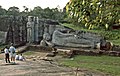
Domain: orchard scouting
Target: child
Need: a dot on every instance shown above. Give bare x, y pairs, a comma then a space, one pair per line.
6, 54
17, 57
21, 58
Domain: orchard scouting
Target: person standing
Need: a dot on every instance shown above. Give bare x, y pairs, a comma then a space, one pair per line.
12, 53
6, 54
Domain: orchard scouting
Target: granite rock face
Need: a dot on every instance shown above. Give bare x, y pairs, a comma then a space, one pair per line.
75, 39
51, 33
2, 37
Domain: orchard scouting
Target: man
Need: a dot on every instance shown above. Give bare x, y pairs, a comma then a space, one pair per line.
6, 54
12, 52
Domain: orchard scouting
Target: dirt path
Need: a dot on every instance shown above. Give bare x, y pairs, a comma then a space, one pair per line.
33, 66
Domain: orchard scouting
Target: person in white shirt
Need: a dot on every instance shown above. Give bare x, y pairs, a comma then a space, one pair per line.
12, 53
17, 57
21, 58
6, 54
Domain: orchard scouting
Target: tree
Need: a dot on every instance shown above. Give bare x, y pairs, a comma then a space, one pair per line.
37, 11
94, 13
47, 13
25, 9
25, 12
58, 14
13, 11
2, 11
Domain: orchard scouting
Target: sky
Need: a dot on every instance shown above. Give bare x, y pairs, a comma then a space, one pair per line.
33, 3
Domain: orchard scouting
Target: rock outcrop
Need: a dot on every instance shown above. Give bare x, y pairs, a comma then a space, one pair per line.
75, 39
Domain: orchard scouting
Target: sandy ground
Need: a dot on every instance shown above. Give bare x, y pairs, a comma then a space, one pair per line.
34, 66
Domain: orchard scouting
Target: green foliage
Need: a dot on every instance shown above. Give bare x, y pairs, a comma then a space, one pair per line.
47, 13
109, 35
2, 11
94, 13
37, 11
116, 42
113, 36
71, 26
13, 11
106, 64
29, 53
7, 16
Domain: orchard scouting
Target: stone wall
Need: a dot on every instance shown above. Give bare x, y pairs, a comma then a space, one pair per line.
50, 31
2, 37
39, 28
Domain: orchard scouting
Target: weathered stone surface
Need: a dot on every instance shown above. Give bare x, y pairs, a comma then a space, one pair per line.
51, 29
42, 43
49, 44
30, 29
46, 36
2, 37
79, 39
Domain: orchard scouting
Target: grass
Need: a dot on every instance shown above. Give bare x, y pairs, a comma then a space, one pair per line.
105, 64
29, 53
113, 36
71, 26
117, 42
